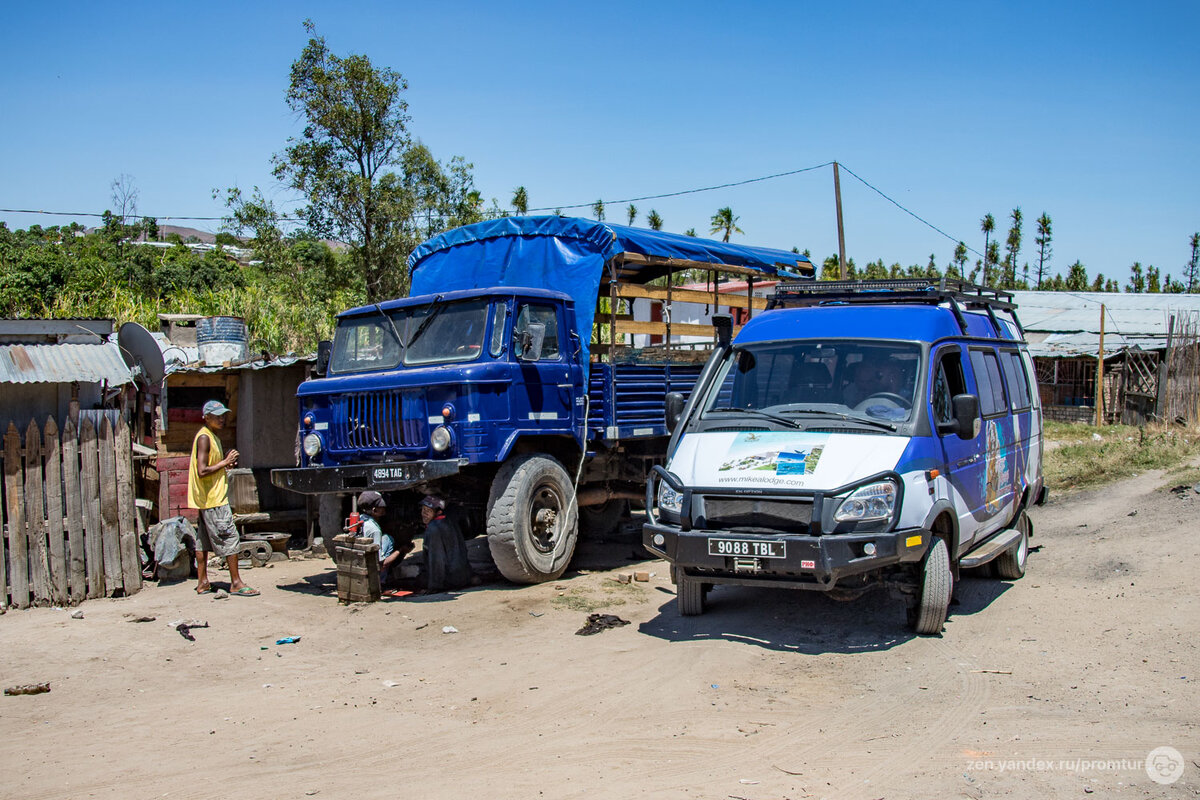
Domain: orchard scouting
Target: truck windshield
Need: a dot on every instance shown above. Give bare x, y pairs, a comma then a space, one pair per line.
872, 381
447, 333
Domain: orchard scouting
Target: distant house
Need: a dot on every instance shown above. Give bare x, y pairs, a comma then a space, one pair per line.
1151, 354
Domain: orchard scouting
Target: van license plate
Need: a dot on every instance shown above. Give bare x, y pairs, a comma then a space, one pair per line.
755, 548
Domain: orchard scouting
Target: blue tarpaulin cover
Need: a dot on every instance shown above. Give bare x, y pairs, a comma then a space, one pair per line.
568, 254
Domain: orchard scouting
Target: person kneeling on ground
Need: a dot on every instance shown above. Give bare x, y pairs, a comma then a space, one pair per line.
446, 564
373, 508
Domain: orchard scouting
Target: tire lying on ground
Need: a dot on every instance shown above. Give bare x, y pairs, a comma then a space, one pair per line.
532, 519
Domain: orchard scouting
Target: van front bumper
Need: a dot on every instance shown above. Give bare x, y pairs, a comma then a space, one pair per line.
808, 562
386, 476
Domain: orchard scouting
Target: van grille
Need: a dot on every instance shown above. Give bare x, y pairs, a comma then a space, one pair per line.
378, 421
756, 516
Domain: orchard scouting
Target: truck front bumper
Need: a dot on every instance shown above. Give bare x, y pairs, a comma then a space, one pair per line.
809, 562
386, 476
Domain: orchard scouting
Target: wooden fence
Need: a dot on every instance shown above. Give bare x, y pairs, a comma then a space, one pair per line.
70, 524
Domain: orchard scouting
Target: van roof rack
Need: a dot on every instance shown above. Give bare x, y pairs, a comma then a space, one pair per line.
957, 293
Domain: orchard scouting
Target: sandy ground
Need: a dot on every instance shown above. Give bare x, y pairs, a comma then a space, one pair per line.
1032, 690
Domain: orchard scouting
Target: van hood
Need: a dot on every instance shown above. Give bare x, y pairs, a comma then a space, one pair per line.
783, 460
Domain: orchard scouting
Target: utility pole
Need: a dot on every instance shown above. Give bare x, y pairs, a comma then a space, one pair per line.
1100, 374
837, 196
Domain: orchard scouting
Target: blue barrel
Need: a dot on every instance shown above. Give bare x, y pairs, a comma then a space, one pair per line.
221, 339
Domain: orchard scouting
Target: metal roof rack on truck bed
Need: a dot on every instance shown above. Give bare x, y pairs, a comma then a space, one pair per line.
957, 293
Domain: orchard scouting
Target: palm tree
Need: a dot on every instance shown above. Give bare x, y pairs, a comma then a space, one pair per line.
725, 222
654, 220
690, 232
987, 225
520, 201
631, 212
598, 210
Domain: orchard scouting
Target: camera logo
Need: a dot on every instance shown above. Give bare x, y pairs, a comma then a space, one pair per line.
1164, 765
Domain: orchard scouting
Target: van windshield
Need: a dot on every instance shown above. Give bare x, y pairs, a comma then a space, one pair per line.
871, 381
438, 333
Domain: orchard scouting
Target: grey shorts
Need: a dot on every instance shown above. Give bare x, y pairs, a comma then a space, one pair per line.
216, 533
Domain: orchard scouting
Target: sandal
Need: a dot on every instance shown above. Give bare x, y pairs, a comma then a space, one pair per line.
206, 590
246, 591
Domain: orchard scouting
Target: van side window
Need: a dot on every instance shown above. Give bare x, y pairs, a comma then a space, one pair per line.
1018, 381
545, 315
946, 383
990, 382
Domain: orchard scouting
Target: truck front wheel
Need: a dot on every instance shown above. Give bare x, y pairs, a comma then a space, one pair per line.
532, 519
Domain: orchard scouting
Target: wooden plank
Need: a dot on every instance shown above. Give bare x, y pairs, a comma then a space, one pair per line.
209, 380
660, 328
131, 565
728, 269
109, 526
628, 291
76, 576
89, 489
18, 543
35, 516
55, 532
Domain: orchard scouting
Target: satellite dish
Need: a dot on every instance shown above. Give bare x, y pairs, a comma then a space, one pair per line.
141, 353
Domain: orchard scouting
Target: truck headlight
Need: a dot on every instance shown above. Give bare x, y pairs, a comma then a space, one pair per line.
872, 502
669, 500
311, 444
441, 439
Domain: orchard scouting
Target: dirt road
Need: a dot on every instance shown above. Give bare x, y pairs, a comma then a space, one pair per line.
1056, 685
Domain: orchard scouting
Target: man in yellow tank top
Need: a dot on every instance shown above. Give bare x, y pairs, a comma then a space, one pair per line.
208, 491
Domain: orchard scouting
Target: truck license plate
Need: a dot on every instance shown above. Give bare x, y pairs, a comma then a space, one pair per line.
755, 548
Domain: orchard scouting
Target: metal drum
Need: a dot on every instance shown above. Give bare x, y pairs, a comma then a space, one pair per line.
221, 339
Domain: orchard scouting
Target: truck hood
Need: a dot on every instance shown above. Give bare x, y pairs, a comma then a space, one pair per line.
783, 460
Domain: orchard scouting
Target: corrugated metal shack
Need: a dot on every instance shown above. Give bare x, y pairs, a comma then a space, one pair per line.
261, 392
1151, 344
47, 363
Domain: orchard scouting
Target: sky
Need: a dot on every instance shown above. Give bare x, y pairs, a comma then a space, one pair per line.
1088, 112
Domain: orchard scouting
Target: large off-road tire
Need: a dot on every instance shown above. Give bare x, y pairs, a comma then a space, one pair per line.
689, 594
602, 521
532, 519
1010, 565
928, 614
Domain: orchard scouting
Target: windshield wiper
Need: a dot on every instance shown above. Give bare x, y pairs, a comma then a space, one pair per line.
840, 415
764, 414
425, 322
391, 323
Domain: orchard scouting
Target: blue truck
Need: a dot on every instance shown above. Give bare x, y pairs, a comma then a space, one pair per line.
509, 380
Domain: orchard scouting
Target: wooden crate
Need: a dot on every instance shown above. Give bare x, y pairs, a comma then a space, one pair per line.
358, 570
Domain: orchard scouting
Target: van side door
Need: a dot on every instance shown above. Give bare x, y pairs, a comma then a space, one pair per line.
962, 460
1026, 455
997, 448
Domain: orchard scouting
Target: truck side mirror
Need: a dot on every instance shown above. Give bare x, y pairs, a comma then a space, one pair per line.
674, 409
324, 350
530, 341
966, 415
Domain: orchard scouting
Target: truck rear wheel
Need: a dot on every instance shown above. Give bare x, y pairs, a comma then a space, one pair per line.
532, 519
1010, 565
928, 614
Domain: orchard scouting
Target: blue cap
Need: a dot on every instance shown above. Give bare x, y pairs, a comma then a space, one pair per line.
214, 408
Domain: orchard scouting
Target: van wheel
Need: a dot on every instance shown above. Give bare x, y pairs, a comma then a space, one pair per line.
532, 519
1010, 565
689, 592
928, 614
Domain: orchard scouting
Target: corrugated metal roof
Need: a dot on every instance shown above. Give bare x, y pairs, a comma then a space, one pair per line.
63, 363
1126, 314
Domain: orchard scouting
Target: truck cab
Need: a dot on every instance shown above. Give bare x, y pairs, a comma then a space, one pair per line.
860, 434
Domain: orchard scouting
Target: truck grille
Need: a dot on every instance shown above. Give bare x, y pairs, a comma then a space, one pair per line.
378, 421
756, 516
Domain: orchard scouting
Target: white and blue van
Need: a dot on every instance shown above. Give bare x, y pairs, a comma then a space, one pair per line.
854, 435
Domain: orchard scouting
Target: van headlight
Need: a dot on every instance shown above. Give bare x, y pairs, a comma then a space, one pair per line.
312, 445
440, 439
870, 503
669, 500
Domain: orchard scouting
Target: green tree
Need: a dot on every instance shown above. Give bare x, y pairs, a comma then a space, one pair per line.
724, 222
1137, 279
991, 265
958, 262
520, 201
1077, 279
1191, 272
690, 232
1012, 247
1153, 285
598, 210
987, 225
654, 220
1043, 239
